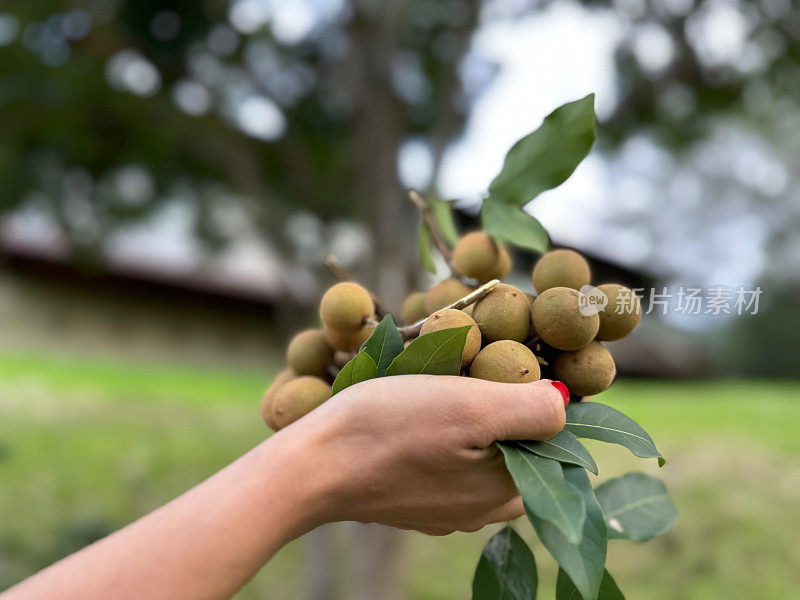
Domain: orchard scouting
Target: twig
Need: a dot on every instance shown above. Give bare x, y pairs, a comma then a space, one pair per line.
425, 209
335, 267
411, 331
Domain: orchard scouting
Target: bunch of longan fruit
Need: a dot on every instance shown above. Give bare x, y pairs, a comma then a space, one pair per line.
515, 337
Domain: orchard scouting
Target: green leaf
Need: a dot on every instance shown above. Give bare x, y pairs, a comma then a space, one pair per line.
384, 344
509, 223
565, 448
442, 211
583, 562
566, 590
546, 496
545, 158
636, 507
435, 353
359, 368
506, 570
601, 422
425, 255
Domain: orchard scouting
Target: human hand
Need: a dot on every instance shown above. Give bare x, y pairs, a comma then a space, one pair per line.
417, 451
411, 451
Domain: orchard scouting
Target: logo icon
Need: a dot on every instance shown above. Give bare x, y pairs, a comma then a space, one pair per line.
591, 300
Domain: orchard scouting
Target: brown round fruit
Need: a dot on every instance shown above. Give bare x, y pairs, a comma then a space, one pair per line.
345, 307
558, 320
505, 361
560, 268
341, 358
476, 255
587, 371
309, 353
503, 265
414, 308
347, 341
503, 314
622, 313
266, 402
445, 293
297, 398
450, 317
531, 299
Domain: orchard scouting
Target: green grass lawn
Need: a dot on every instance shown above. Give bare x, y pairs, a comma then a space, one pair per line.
86, 446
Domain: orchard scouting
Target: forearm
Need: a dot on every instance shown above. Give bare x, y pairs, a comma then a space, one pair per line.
205, 544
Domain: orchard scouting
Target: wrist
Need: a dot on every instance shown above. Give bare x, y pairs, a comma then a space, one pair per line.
300, 485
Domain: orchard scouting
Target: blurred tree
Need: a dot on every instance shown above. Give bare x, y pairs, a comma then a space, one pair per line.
292, 105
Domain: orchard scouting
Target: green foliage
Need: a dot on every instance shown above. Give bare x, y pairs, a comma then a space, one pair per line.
506, 570
601, 422
509, 223
544, 491
566, 590
545, 158
583, 562
359, 368
551, 475
540, 161
443, 215
636, 507
425, 256
384, 344
563, 447
435, 353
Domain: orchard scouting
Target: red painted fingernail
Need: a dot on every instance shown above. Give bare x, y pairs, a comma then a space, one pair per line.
563, 389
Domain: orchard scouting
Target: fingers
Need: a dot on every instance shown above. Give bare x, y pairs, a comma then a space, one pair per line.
517, 411
513, 509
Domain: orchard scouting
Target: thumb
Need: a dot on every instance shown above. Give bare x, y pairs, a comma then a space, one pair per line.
518, 411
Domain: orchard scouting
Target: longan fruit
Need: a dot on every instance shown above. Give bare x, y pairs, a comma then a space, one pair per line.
266, 402
560, 268
531, 299
445, 293
476, 255
559, 322
340, 358
414, 308
503, 265
309, 353
503, 314
297, 398
345, 306
587, 371
451, 317
347, 341
506, 361
616, 325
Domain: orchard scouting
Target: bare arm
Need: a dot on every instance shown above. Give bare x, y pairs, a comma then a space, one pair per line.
414, 452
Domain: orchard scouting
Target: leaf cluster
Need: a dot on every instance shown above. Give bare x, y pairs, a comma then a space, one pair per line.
573, 520
435, 353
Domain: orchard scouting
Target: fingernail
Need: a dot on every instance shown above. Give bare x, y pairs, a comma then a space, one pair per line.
563, 389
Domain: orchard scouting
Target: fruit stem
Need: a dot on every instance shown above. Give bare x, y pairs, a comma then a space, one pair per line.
425, 209
335, 267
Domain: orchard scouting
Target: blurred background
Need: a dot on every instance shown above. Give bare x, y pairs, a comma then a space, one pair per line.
173, 173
